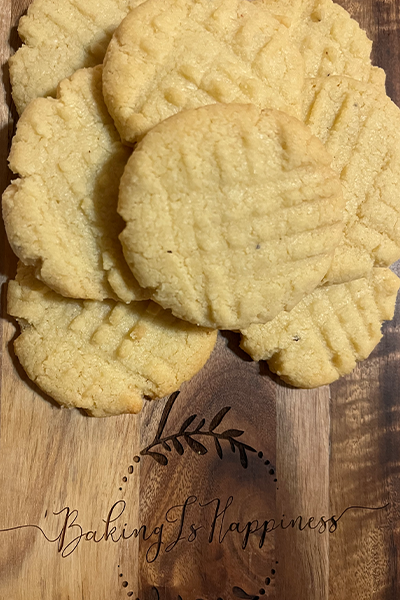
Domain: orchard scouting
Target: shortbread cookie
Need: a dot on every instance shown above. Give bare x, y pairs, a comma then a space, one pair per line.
331, 42
170, 55
232, 214
61, 36
291, 12
104, 357
328, 332
61, 214
360, 127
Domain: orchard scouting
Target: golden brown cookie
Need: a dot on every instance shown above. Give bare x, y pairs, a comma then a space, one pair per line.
330, 41
232, 214
61, 36
171, 55
328, 332
360, 127
60, 214
104, 357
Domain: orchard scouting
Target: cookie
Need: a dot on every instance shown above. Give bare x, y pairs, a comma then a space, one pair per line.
328, 332
60, 215
171, 55
232, 214
103, 357
360, 127
291, 12
330, 41
61, 36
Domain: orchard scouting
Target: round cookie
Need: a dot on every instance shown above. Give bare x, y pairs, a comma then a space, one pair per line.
60, 215
360, 127
61, 36
328, 332
232, 214
171, 55
104, 357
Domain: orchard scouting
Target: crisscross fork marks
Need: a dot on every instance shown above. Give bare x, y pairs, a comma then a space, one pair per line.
236, 93
74, 33
370, 317
368, 225
318, 251
320, 330
316, 116
359, 146
114, 328
341, 136
352, 316
85, 15
180, 271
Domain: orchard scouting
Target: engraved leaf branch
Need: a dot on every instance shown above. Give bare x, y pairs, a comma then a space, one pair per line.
189, 435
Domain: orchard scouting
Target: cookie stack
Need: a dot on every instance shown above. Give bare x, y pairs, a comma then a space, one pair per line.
205, 165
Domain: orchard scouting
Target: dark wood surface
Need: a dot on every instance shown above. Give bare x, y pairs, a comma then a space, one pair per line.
318, 453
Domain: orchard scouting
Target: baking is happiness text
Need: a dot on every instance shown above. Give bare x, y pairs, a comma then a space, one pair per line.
181, 526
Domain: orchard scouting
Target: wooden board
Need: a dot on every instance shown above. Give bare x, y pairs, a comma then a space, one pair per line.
86, 513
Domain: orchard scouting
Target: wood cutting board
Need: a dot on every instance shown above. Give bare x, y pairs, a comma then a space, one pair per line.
306, 508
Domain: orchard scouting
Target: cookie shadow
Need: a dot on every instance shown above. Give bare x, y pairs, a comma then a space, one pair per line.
232, 340
233, 343
8, 260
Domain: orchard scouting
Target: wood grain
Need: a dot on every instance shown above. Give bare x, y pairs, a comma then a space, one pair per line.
303, 426
318, 453
365, 413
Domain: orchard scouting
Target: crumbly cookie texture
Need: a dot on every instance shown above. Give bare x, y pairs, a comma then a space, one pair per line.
232, 214
61, 36
170, 55
288, 11
360, 127
331, 42
61, 214
103, 357
328, 332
